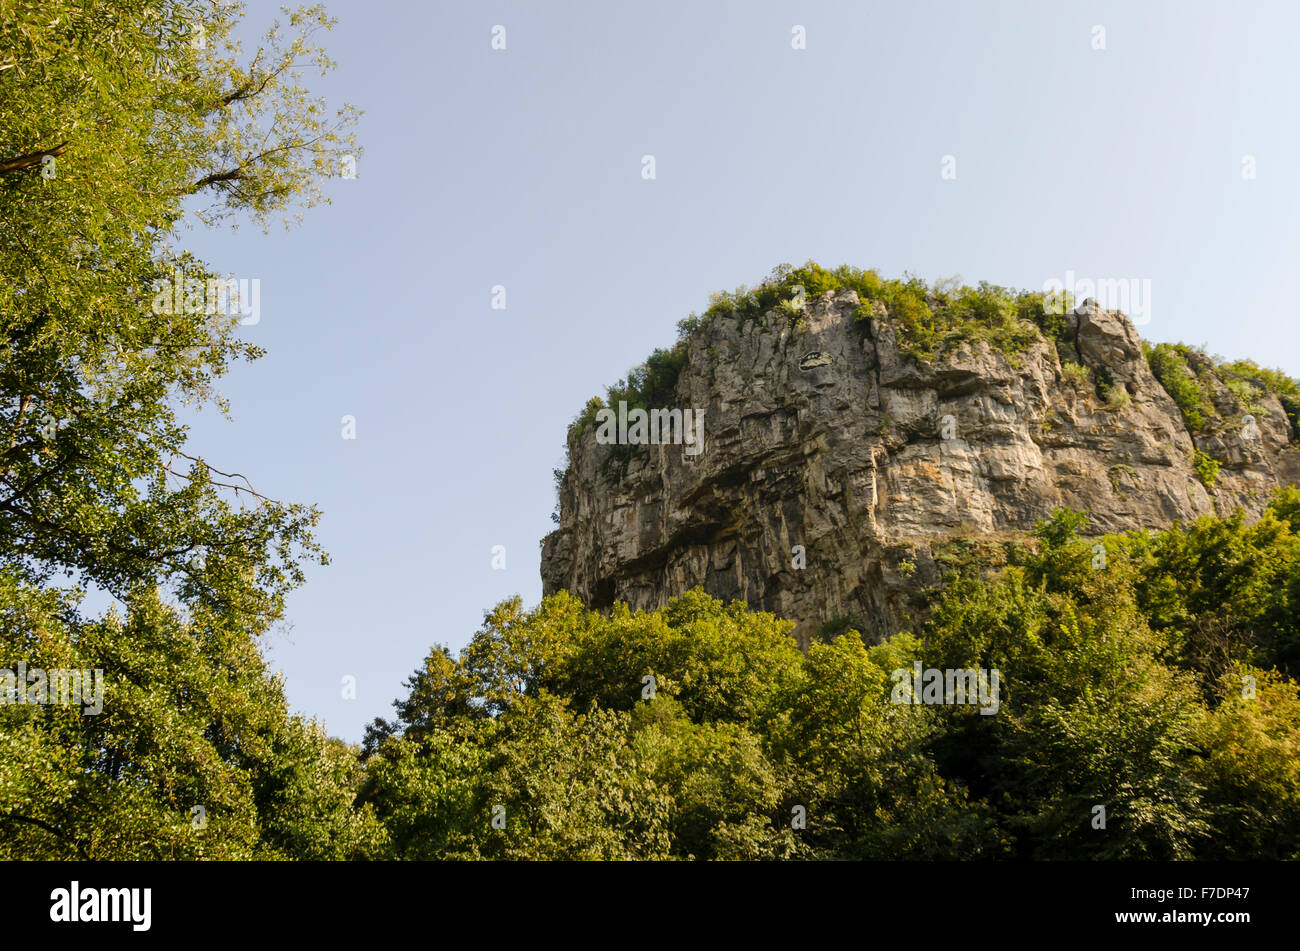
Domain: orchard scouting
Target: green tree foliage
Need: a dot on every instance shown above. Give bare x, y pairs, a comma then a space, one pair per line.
144, 107
1251, 768
191, 719
1222, 591
1241, 373
120, 122
1147, 710
862, 764
1188, 375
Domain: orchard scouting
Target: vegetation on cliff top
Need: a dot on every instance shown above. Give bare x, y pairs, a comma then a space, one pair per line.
1188, 375
930, 320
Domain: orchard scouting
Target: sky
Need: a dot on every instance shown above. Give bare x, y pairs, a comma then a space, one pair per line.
1010, 142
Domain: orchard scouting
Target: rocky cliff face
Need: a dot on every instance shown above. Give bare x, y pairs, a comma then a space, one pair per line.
830, 438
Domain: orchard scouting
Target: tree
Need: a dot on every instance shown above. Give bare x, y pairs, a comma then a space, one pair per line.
192, 754
747, 749
861, 764
145, 113
1251, 770
119, 121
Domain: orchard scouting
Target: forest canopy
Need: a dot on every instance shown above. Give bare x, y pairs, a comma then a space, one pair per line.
1159, 687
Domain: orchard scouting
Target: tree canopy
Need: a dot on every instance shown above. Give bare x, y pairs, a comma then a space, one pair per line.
1148, 710
121, 121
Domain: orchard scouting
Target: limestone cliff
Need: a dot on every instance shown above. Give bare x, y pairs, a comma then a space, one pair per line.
827, 435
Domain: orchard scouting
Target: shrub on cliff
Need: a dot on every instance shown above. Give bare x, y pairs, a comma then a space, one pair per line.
1170, 369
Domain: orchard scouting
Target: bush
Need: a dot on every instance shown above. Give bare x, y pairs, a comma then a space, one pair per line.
1060, 528
1170, 368
1247, 394
929, 320
1287, 390
588, 414
1207, 467
652, 385
557, 476
1275, 381
1117, 398
829, 630
1074, 373
1291, 406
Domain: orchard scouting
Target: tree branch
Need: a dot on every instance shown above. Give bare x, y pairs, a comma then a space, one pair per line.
53, 830
216, 178
246, 487
30, 159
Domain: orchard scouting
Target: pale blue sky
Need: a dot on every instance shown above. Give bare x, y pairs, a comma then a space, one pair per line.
523, 168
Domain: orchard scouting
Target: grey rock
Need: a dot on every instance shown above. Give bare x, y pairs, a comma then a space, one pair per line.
871, 461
